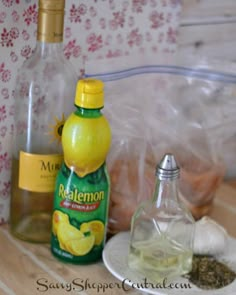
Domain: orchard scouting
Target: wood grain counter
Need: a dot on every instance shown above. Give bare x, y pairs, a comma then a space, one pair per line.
30, 269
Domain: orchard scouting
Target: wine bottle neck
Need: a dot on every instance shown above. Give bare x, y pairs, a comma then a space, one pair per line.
49, 49
50, 26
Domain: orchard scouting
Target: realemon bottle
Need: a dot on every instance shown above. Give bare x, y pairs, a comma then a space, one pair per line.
162, 230
44, 88
82, 187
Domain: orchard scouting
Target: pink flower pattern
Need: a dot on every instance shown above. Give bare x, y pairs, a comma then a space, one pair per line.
5, 74
14, 33
6, 39
115, 53
3, 161
138, 5
135, 38
94, 42
76, 13
2, 113
3, 131
2, 16
14, 57
30, 15
93, 29
7, 3
15, 16
26, 51
21, 127
157, 19
117, 21
5, 93
171, 35
6, 187
71, 49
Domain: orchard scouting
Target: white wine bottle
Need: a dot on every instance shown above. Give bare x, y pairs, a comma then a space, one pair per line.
44, 93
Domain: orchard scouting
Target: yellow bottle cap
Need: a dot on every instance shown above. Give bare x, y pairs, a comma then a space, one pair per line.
89, 94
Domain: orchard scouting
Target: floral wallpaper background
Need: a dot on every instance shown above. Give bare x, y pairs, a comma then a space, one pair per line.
93, 29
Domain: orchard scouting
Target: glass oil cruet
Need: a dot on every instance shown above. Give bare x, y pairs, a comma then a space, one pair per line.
162, 229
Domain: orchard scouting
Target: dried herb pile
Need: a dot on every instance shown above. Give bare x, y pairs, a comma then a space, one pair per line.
208, 273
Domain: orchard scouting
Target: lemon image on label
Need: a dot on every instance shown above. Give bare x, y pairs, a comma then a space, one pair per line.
66, 232
96, 227
82, 246
57, 218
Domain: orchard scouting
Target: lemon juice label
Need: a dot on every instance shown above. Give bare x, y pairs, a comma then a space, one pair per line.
80, 215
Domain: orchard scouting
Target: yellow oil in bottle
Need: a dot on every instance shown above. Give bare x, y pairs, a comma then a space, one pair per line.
160, 258
30, 211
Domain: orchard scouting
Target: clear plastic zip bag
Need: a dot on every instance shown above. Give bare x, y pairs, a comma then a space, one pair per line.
189, 111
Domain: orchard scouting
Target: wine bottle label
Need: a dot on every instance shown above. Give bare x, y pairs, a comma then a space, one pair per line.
38, 173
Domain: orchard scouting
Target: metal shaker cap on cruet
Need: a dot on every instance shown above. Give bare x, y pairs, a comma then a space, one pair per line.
167, 169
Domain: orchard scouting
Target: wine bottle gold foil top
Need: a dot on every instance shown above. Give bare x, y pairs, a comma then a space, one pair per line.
52, 4
51, 21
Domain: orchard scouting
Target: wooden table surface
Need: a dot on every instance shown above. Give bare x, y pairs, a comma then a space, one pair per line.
30, 269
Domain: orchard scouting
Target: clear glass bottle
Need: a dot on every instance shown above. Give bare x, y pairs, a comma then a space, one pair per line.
45, 88
162, 229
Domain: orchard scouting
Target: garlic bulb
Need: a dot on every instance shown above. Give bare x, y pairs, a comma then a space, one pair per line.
210, 237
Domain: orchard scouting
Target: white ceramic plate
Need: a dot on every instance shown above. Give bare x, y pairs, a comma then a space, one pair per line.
115, 259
